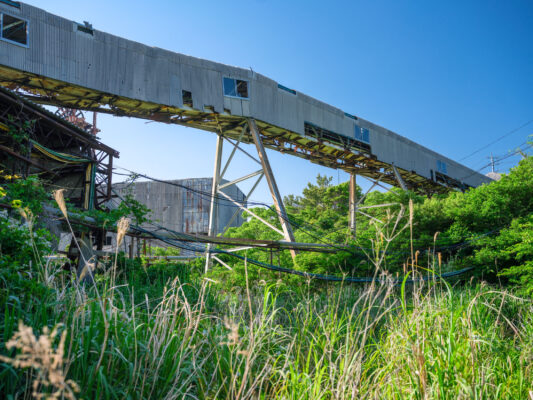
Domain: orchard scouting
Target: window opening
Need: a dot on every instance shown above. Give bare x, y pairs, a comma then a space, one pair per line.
442, 167
291, 91
242, 88
11, 3
86, 28
350, 115
187, 98
333, 137
235, 88
14, 29
362, 134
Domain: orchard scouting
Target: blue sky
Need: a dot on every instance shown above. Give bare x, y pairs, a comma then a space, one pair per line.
452, 76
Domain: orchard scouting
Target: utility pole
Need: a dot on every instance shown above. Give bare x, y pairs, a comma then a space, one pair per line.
492, 163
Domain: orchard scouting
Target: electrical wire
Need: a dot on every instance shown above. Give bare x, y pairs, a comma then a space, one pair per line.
311, 275
337, 246
497, 140
525, 146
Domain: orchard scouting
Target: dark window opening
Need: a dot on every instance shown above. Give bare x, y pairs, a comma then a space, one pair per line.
291, 91
350, 116
344, 141
235, 88
85, 29
187, 98
14, 29
242, 88
108, 240
11, 3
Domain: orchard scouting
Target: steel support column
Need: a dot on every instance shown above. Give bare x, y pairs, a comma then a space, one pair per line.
399, 178
353, 205
278, 202
213, 210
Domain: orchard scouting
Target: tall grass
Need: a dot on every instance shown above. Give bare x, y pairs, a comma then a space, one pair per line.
161, 333
344, 342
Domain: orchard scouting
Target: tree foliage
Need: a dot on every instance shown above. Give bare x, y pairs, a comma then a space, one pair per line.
488, 228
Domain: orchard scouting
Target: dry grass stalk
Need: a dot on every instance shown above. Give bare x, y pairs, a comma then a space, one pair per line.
411, 218
123, 226
60, 200
39, 354
87, 269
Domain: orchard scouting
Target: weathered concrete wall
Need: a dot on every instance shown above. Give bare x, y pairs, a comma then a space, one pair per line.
110, 64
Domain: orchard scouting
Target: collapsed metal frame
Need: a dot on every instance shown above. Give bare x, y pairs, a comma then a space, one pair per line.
58, 135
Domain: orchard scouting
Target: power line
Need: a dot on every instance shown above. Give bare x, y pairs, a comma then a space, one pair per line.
523, 147
497, 140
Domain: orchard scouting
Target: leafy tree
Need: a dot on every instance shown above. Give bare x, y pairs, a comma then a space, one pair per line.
510, 254
488, 227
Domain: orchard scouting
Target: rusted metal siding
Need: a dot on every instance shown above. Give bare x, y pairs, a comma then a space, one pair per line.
183, 208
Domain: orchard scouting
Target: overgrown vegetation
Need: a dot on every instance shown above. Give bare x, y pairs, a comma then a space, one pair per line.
166, 331
488, 228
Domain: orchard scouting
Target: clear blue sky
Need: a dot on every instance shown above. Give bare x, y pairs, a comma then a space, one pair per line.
451, 75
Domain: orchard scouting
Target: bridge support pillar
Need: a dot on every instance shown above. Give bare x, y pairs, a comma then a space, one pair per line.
272, 185
213, 209
353, 205
399, 178
265, 171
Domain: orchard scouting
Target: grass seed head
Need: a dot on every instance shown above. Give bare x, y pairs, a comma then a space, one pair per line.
233, 335
88, 268
123, 226
40, 355
27, 215
60, 200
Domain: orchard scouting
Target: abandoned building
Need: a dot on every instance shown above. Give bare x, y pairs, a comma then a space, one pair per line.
182, 205
35, 141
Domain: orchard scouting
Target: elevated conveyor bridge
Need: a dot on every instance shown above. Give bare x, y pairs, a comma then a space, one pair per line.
60, 62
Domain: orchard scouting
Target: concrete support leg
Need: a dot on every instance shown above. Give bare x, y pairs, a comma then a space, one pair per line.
278, 202
213, 210
353, 205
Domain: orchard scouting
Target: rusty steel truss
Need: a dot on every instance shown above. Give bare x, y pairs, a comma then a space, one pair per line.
315, 145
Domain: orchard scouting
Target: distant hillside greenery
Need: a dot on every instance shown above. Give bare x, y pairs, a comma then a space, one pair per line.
489, 228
